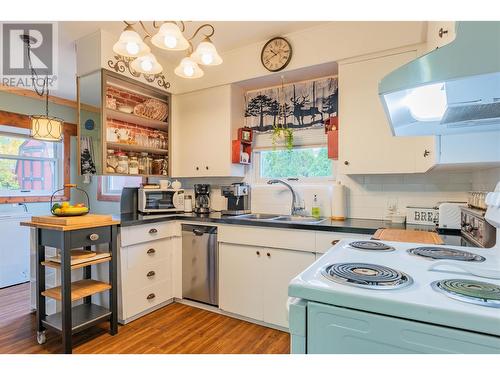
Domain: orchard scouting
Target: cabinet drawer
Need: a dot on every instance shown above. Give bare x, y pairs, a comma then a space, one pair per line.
147, 232
145, 275
146, 298
147, 253
292, 239
91, 236
324, 239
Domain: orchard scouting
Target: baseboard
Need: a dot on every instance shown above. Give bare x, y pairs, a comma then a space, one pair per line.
146, 312
231, 315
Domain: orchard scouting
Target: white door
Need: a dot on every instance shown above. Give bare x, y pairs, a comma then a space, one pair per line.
241, 280
366, 141
280, 267
14, 251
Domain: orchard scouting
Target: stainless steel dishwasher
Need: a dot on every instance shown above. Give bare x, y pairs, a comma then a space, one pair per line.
200, 269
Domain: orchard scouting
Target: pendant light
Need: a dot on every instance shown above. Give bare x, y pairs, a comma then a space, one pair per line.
130, 44
147, 64
206, 53
45, 127
188, 68
170, 37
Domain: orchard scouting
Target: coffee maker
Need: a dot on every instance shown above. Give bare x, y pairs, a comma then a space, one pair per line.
202, 198
238, 198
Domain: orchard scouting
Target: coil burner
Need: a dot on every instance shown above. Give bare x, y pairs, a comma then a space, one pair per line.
445, 253
365, 275
371, 246
471, 291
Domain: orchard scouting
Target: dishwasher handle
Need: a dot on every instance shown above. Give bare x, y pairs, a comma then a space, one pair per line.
198, 232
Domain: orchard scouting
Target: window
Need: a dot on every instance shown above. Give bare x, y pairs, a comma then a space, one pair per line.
110, 187
29, 167
300, 162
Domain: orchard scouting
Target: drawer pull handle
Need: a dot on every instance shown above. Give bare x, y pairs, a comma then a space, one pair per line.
269, 255
150, 274
150, 296
94, 237
153, 231
334, 242
258, 253
151, 251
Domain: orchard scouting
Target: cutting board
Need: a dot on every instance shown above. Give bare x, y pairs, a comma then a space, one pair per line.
71, 220
405, 235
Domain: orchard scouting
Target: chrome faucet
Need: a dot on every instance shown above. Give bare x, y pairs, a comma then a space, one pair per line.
297, 209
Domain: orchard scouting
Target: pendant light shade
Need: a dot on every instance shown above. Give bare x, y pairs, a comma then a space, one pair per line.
170, 37
206, 54
188, 68
130, 44
46, 128
147, 64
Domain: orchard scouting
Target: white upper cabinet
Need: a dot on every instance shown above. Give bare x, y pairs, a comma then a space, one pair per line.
204, 123
439, 33
367, 145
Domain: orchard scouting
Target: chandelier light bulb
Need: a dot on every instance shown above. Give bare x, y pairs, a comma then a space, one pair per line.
147, 65
132, 48
170, 41
207, 58
188, 70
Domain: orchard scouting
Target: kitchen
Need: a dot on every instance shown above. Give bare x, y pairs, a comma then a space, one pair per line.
252, 187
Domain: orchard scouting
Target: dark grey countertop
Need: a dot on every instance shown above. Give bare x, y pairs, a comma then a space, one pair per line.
360, 226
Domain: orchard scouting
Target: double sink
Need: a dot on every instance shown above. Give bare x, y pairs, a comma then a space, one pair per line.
281, 218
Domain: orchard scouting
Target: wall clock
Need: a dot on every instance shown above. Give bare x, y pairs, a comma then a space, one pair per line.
276, 54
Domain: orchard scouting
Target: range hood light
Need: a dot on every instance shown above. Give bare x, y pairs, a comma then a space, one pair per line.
427, 103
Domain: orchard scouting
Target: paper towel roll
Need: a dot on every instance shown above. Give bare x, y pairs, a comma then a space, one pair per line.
338, 201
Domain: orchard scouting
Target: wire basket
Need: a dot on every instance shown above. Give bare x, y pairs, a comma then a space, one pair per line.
69, 213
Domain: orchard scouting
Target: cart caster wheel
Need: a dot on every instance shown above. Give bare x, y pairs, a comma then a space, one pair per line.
40, 337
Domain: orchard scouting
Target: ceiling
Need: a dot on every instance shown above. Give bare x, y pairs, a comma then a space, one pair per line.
228, 35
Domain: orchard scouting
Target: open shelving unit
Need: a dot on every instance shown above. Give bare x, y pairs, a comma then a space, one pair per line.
108, 92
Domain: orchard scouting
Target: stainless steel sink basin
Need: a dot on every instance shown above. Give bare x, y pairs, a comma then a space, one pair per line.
257, 217
288, 219
300, 219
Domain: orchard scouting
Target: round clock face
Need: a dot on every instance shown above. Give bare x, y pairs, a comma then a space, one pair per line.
276, 54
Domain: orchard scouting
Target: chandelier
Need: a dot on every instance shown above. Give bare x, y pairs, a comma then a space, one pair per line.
169, 36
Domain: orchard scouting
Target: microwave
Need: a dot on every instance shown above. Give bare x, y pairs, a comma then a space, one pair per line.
160, 200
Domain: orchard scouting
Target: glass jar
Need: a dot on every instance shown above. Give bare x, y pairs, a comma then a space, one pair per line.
122, 167
133, 165
111, 161
157, 167
143, 159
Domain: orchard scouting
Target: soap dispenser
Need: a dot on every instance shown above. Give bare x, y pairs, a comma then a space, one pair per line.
315, 210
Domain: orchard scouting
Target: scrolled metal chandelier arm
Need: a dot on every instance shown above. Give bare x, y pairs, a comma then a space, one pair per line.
208, 35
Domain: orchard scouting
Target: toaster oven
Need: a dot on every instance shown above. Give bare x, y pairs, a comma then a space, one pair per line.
160, 200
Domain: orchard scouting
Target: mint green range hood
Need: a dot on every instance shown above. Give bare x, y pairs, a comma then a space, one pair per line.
453, 89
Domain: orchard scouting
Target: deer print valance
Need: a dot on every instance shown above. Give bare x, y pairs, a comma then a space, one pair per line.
303, 105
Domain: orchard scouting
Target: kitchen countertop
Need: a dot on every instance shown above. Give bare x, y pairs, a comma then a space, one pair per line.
359, 226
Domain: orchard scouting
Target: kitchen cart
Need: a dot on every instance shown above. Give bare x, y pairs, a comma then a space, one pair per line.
72, 319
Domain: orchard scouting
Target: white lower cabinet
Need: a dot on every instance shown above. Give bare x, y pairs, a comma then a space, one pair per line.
145, 274
253, 281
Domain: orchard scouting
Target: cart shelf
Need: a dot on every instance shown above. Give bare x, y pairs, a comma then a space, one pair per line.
79, 289
51, 264
82, 317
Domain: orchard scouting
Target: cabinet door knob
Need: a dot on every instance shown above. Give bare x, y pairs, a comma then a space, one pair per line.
151, 274
258, 253
269, 255
441, 32
150, 296
94, 237
334, 242
151, 251
206, 167
153, 231
346, 162
426, 153
197, 168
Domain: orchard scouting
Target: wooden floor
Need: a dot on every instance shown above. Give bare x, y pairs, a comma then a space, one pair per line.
174, 329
